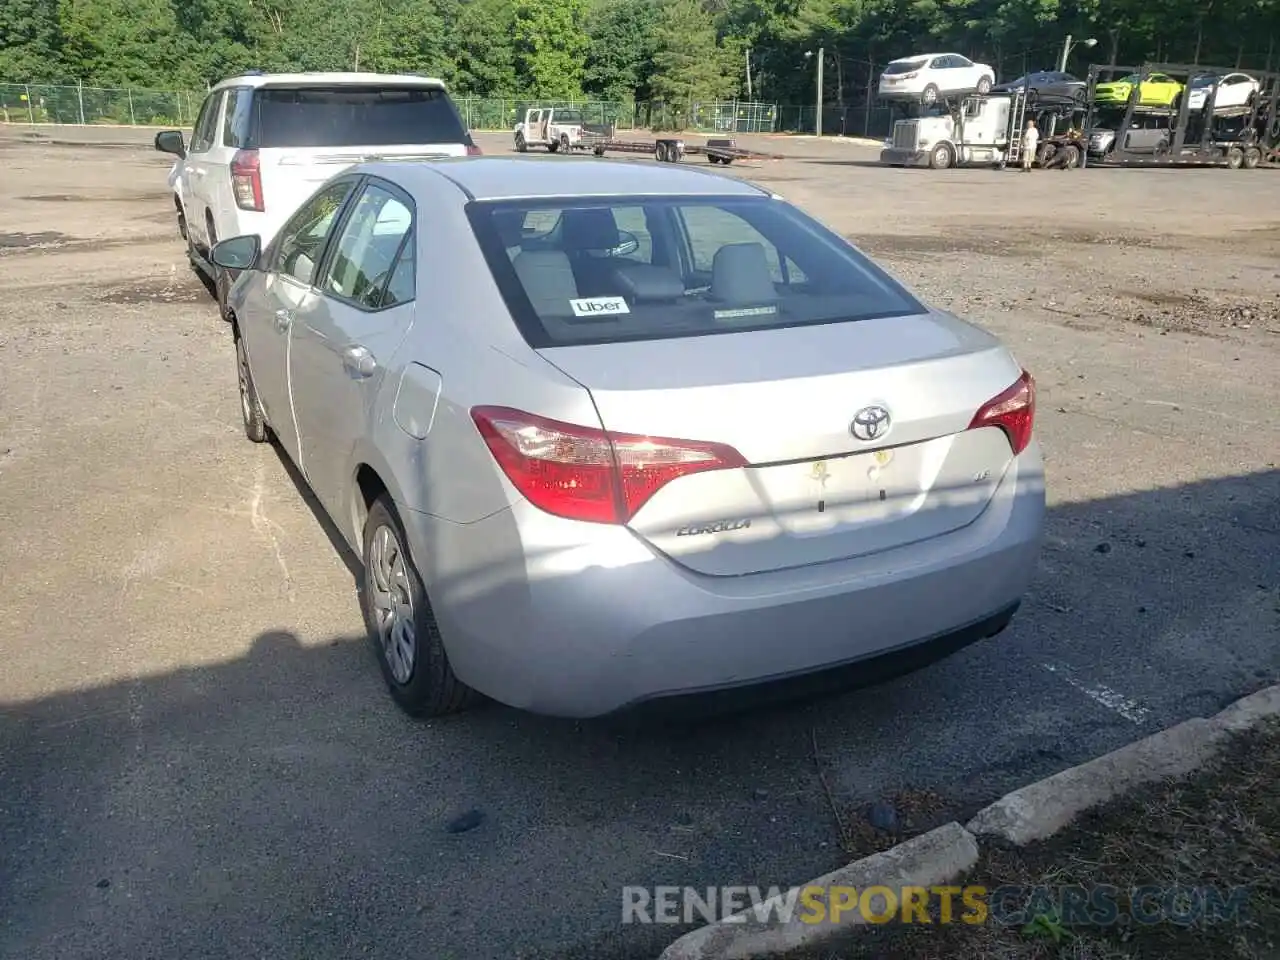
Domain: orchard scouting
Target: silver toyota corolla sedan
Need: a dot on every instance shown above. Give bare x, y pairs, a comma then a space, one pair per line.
609, 432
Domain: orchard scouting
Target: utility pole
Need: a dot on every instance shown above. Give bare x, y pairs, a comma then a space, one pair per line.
1066, 52
817, 124
749, 97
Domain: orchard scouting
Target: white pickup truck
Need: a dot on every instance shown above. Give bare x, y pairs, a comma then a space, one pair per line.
554, 128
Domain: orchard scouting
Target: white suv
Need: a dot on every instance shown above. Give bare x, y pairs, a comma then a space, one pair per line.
263, 143
927, 76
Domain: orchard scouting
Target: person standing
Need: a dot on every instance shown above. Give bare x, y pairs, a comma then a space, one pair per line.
1030, 140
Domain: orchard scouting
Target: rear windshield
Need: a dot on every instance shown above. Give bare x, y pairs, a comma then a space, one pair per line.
903, 66
352, 116
567, 116
586, 271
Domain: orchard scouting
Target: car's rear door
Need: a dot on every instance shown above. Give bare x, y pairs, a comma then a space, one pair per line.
196, 171
345, 337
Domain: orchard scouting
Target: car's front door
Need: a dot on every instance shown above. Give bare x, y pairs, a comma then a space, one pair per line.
342, 344
288, 289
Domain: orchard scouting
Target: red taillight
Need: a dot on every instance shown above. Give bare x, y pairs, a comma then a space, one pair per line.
1013, 411
583, 473
911, 76
474, 151
246, 180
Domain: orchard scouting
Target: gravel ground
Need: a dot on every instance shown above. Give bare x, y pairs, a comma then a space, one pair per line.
197, 757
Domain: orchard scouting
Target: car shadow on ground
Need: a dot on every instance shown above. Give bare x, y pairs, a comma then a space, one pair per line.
280, 800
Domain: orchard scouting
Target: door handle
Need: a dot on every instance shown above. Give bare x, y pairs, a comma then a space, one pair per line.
284, 320
358, 361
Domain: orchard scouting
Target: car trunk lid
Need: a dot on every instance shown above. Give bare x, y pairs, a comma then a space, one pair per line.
812, 491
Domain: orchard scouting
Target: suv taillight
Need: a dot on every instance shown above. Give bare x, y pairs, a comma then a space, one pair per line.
1013, 411
474, 151
583, 473
246, 180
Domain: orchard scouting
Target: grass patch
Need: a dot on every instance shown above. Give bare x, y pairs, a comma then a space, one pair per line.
1219, 828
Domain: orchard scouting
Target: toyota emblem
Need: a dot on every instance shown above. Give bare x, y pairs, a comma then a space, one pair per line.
870, 423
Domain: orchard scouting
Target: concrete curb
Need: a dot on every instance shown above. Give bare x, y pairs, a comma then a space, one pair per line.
1031, 813
1039, 810
927, 860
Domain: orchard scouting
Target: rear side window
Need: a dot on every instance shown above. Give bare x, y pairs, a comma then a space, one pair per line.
354, 116
235, 126
368, 249
653, 268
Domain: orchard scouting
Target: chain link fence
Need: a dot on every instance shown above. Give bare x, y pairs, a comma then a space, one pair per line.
75, 103
78, 104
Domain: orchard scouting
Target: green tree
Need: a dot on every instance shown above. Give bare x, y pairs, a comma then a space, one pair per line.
551, 46
620, 49
30, 41
484, 48
689, 64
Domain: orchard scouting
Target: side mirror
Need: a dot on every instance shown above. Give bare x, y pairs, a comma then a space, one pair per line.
171, 141
237, 253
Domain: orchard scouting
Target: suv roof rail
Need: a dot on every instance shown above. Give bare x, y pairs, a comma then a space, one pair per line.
253, 73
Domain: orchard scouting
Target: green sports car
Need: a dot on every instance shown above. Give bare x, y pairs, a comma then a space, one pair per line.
1158, 90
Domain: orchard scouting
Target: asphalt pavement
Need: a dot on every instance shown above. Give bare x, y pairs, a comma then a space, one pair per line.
197, 757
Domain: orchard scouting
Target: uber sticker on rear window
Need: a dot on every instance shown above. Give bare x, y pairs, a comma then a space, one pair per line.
599, 306
745, 313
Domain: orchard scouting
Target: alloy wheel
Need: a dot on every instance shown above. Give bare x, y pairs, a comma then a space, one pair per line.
391, 597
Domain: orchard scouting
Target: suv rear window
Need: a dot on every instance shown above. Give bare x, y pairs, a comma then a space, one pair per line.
611, 270
903, 66
354, 116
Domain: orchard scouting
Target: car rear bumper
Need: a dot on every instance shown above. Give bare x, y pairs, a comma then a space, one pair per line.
543, 616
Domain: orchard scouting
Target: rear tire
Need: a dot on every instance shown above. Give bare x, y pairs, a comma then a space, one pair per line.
930, 95
401, 624
1252, 157
984, 85
1235, 158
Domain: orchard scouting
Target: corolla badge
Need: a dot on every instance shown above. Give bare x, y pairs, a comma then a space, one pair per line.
870, 423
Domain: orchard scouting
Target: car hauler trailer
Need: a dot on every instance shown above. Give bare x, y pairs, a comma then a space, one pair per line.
1243, 134
972, 129
674, 149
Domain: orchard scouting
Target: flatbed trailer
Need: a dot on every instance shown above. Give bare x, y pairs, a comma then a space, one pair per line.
675, 149
1256, 143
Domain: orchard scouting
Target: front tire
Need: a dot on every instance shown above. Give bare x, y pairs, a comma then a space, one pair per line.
930, 95
941, 157
255, 419
522, 145
401, 623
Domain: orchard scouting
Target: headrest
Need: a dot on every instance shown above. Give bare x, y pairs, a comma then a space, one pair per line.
740, 274
646, 283
589, 228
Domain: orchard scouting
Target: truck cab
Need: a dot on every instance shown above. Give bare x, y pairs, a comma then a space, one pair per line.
972, 130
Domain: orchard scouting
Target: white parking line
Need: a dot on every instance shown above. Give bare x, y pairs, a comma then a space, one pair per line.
1131, 710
